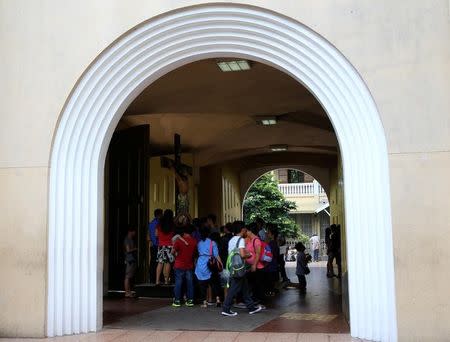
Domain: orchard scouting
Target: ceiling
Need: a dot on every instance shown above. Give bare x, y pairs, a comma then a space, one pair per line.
214, 112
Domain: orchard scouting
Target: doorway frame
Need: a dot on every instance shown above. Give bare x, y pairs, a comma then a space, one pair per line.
160, 45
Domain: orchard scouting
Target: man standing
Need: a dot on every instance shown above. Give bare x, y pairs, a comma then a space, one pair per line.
239, 284
130, 260
152, 242
315, 245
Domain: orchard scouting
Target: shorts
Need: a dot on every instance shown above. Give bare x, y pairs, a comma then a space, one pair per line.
165, 255
130, 270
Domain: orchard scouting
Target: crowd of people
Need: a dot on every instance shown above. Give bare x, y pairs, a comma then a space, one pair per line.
204, 261
235, 265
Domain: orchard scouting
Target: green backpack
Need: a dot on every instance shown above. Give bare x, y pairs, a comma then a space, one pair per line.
235, 264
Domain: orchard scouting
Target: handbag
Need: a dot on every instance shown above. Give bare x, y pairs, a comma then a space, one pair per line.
214, 264
307, 270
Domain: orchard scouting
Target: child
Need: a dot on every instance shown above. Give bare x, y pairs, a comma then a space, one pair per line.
302, 267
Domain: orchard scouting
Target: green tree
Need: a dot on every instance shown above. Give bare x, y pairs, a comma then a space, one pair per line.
264, 200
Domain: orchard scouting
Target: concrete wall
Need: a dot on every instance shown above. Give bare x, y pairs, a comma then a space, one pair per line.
401, 49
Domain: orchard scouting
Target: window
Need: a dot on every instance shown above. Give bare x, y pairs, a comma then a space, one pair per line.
296, 176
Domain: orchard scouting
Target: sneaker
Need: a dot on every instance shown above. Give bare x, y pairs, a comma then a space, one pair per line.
255, 310
176, 304
229, 313
190, 303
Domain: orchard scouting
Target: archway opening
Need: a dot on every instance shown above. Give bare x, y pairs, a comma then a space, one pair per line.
87, 123
197, 116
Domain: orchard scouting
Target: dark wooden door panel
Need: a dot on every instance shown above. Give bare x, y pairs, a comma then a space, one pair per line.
128, 199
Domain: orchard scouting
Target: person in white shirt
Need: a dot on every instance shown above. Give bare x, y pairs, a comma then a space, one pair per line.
315, 246
239, 285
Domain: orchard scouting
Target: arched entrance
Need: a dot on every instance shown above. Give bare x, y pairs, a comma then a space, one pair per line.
75, 246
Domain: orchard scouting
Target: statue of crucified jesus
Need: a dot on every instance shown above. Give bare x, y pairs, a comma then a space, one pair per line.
182, 217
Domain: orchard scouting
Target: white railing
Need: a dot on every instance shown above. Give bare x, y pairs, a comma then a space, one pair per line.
301, 189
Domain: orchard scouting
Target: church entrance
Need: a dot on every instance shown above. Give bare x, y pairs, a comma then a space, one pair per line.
107, 101
177, 150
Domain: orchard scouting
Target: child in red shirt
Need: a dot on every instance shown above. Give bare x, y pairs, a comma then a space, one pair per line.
184, 250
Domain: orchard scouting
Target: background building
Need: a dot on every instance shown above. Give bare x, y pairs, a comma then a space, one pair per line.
312, 213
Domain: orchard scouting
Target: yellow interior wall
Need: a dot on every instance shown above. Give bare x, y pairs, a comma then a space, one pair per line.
162, 186
231, 198
219, 193
337, 212
210, 191
336, 200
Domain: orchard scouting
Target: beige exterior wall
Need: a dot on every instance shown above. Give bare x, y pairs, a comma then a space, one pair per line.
401, 49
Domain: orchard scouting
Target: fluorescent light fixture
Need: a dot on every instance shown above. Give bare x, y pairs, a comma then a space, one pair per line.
227, 66
278, 148
266, 120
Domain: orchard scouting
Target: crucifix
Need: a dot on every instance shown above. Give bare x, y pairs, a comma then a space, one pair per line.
181, 173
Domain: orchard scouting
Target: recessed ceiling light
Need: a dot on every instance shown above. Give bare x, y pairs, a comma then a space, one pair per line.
240, 65
266, 120
278, 148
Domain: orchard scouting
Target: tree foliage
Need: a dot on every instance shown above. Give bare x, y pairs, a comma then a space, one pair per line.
264, 200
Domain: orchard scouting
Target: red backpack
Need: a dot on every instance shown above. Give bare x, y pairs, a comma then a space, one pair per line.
266, 255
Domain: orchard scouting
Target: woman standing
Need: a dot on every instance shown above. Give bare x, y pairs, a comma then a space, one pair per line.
207, 249
164, 232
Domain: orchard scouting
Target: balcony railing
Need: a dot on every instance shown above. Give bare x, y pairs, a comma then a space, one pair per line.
301, 189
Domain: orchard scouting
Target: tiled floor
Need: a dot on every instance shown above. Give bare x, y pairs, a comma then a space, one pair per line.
317, 312
118, 335
316, 317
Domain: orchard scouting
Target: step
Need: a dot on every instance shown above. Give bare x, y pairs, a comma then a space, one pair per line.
153, 291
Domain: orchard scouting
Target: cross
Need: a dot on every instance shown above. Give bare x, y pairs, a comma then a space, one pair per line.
181, 170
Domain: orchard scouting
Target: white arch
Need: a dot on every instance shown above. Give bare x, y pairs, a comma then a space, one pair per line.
268, 169
75, 242
312, 171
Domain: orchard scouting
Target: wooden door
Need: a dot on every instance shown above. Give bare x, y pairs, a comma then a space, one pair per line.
128, 191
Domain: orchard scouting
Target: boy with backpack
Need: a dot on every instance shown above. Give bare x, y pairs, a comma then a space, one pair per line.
237, 255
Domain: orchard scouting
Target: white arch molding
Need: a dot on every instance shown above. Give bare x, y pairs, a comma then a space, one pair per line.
75, 241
